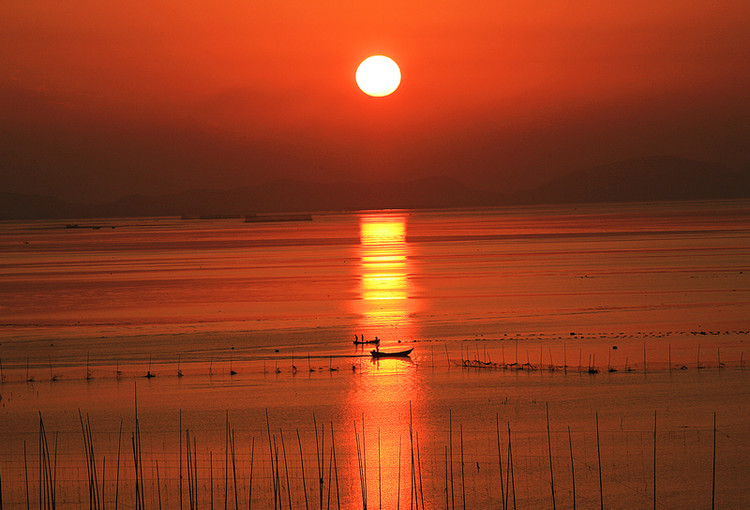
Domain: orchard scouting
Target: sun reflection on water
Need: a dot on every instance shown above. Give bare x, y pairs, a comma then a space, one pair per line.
385, 392
385, 285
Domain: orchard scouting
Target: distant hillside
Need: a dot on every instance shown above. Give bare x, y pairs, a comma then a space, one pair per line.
275, 196
657, 178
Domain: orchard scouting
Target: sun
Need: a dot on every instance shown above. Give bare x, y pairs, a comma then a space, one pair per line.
378, 76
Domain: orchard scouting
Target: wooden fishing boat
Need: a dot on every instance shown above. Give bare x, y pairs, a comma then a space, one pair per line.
391, 354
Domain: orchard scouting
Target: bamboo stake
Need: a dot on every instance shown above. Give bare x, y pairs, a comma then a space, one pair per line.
419, 470
187, 456
117, 472
398, 487
654, 459
335, 469
158, 483
380, 477
669, 351
713, 470
572, 468
500, 459
250, 487
320, 467
447, 502
718, 356
463, 481
549, 449
1, 489
698, 362
226, 459
511, 472
54, 474
195, 471
450, 443
270, 452
364, 457
302, 463
179, 433
286, 469
599, 457
413, 489
26, 477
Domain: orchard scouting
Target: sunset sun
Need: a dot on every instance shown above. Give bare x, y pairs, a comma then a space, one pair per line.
378, 76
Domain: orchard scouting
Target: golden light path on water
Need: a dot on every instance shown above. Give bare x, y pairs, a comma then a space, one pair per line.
385, 285
388, 396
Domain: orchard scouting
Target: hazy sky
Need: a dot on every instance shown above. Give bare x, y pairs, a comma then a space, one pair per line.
99, 99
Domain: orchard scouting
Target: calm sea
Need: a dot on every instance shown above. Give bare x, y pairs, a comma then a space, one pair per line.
399, 275
259, 318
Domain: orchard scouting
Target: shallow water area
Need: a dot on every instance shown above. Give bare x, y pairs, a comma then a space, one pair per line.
632, 316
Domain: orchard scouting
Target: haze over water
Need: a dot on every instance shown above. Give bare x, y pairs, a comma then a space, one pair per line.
665, 283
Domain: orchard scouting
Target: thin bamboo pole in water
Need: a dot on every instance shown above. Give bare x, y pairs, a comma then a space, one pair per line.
599, 458
713, 470
549, 450
572, 468
500, 459
654, 459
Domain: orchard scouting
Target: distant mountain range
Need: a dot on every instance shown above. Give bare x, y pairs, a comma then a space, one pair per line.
656, 178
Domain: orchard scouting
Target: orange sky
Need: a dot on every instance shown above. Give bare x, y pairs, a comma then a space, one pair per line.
101, 99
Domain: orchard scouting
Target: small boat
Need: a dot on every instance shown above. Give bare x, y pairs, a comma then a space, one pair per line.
392, 354
361, 342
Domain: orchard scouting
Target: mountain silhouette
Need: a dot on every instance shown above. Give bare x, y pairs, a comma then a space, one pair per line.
644, 179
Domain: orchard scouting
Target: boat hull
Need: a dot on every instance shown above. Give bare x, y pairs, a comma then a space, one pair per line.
386, 354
